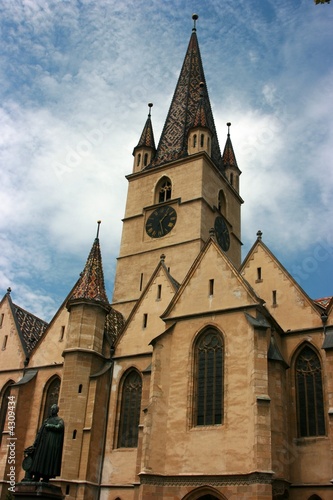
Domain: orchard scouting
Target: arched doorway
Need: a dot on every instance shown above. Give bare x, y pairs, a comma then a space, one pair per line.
204, 493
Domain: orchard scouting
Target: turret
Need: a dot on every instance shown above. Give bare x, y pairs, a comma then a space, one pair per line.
231, 169
200, 135
145, 150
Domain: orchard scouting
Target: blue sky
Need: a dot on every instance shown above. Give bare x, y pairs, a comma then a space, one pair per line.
76, 77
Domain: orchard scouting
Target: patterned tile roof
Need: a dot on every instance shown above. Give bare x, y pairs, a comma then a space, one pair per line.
228, 157
183, 109
29, 327
323, 302
91, 286
200, 119
147, 136
114, 323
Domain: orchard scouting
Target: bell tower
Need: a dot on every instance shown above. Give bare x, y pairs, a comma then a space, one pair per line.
178, 192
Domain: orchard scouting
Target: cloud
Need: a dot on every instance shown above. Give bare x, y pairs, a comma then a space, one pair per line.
75, 81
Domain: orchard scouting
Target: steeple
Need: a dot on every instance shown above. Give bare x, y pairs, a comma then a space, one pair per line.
145, 150
200, 136
231, 169
173, 143
90, 287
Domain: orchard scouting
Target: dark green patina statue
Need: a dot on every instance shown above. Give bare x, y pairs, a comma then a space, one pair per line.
42, 460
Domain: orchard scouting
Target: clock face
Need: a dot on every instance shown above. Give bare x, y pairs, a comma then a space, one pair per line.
222, 233
161, 221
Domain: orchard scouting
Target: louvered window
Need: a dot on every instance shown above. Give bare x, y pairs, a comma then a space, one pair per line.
130, 411
310, 401
208, 406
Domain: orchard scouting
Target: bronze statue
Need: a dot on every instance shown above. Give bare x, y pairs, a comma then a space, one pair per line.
43, 459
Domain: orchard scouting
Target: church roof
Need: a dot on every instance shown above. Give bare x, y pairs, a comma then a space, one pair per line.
147, 136
114, 323
30, 328
91, 286
183, 111
228, 157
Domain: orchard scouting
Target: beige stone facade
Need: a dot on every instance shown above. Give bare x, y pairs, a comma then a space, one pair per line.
208, 378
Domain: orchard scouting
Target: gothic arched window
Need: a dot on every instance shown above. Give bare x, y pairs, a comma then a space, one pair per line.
130, 411
164, 190
309, 391
51, 397
208, 380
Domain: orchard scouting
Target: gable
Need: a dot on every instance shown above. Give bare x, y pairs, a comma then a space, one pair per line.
145, 321
12, 353
212, 284
284, 298
50, 348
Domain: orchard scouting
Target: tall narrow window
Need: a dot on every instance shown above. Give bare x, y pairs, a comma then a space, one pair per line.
159, 292
259, 274
232, 179
138, 160
309, 390
194, 140
145, 320
145, 160
130, 411
274, 298
211, 287
208, 404
164, 190
62, 333
141, 281
1, 319
4, 342
52, 396
202, 140
222, 203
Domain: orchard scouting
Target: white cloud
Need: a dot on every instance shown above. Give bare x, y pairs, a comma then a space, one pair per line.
75, 82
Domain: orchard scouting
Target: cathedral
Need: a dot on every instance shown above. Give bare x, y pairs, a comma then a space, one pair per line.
207, 377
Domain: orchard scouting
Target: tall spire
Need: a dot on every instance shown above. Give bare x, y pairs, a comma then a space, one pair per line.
183, 109
90, 287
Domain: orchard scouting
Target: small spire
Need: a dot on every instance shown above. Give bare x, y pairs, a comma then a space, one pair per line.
259, 235
150, 105
228, 125
195, 17
98, 226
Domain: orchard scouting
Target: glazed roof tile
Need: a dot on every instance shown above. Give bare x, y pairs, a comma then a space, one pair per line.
91, 286
147, 136
114, 323
323, 302
183, 110
30, 328
228, 157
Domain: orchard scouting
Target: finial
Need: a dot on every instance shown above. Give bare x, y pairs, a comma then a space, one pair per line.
162, 257
228, 125
98, 224
212, 232
259, 235
194, 17
9, 290
150, 105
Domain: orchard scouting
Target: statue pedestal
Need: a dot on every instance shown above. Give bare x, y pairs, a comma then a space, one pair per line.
28, 490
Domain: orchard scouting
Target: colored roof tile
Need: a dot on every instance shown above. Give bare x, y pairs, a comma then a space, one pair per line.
91, 286
183, 110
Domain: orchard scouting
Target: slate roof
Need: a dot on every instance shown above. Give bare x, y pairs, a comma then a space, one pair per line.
91, 286
183, 110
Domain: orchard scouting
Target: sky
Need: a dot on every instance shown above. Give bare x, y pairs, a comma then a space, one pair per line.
75, 80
